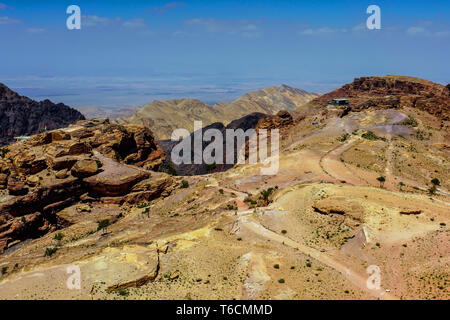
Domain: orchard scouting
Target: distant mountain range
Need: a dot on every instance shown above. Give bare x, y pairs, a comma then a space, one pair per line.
23, 116
165, 116
111, 113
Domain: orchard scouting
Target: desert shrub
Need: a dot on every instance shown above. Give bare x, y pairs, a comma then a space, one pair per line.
184, 184
369, 135
343, 137
381, 180
58, 236
265, 194
99, 163
435, 181
281, 281
3, 152
123, 292
210, 167
102, 224
276, 266
410, 122
50, 251
422, 135
167, 168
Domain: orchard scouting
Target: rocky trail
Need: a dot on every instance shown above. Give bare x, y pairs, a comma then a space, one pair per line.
357, 279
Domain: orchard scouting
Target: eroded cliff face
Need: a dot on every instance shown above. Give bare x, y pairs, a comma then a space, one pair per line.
254, 121
393, 92
22, 116
88, 161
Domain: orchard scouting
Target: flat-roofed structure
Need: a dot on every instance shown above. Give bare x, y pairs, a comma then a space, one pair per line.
340, 102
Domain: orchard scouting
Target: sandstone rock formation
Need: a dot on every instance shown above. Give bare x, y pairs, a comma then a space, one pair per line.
392, 92
53, 170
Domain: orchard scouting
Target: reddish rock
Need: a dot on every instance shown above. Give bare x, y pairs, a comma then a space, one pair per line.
392, 92
16, 187
116, 179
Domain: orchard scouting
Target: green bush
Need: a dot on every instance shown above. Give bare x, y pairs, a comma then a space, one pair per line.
3, 152
435, 181
210, 167
410, 122
369, 135
58, 236
103, 224
265, 194
99, 163
50, 251
184, 184
343, 137
167, 168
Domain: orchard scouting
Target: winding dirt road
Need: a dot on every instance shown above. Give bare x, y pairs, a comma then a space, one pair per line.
354, 277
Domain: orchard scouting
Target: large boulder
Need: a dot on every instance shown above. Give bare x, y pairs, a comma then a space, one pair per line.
17, 187
84, 168
29, 162
116, 179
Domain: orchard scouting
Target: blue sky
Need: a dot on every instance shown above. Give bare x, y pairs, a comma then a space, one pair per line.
129, 53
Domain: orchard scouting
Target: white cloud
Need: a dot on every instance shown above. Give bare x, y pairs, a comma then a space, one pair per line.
96, 21
244, 28
35, 30
323, 31
135, 23
8, 20
424, 32
360, 28
413, 31
168, 6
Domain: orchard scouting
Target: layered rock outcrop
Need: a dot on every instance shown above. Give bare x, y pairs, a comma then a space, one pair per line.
90, 160
392, 92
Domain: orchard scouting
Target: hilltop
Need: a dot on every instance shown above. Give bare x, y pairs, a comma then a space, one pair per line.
21, 116
183, 112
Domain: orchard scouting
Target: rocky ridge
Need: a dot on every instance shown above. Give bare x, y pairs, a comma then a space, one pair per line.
21, 116
90, 161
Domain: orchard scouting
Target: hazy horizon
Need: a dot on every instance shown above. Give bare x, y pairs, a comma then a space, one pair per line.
131, 54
